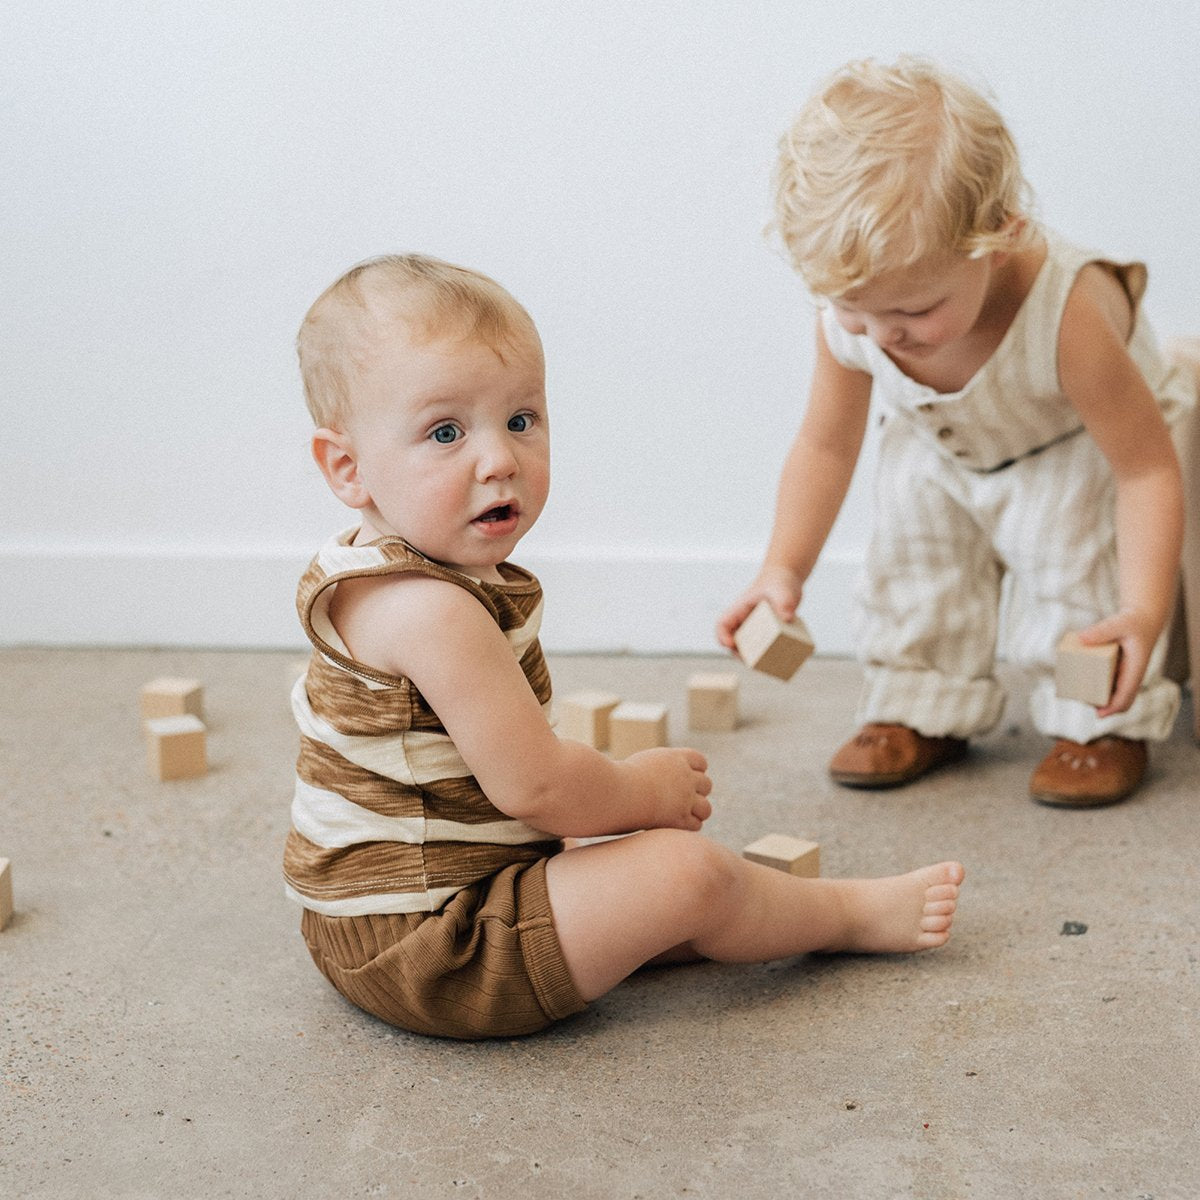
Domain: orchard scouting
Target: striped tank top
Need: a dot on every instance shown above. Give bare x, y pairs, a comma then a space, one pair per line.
386, 816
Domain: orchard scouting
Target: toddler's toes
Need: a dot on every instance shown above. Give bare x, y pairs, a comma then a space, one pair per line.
943, 891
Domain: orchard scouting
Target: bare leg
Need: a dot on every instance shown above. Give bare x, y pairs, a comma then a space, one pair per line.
620, 904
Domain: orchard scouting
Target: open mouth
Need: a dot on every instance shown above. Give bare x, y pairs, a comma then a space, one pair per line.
502, 512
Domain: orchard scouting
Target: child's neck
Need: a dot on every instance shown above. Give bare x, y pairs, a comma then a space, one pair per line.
368, 532
952, 367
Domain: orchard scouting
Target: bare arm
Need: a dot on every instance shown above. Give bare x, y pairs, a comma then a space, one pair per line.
812, 486
1121, 414
442, 639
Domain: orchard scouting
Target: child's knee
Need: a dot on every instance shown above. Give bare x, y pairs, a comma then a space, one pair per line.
694, 867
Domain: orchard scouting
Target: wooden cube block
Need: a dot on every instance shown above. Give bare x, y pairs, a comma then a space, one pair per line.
634, 727
175, 747
767, 644
1085, 673
6, 892
793, 855
171, 697
712, 702
584, 717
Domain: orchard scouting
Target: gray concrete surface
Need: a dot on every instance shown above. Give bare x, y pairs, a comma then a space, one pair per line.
164, 1034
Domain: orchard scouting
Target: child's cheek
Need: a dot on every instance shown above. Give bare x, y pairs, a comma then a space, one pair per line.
936, 333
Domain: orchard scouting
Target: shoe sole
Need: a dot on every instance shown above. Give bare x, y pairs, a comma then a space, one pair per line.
1049, 800
876, 782
896, 778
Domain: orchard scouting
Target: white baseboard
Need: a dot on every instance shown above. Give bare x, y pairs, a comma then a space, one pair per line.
661, 604
635, 602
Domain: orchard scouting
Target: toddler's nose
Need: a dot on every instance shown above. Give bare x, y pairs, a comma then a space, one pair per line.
496, 460
888, 334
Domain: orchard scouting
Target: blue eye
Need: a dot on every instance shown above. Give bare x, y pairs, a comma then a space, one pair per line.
521, 423
445, 434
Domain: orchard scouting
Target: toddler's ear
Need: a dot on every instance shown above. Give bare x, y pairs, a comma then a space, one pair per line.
334, 454
1012, 229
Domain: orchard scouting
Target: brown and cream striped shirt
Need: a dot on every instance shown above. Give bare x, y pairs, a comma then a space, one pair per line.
386, 816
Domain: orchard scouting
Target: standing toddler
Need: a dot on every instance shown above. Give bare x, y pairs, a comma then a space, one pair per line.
1025, 411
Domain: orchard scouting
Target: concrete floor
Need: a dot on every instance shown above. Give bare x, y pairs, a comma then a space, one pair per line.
165, 1035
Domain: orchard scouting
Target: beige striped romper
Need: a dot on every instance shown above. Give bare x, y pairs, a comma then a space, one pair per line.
423, 903
997, 480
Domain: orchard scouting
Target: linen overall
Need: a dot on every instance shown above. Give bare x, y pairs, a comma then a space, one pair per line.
997, 481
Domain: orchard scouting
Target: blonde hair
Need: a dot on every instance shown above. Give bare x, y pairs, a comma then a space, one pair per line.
887, 164
433, 299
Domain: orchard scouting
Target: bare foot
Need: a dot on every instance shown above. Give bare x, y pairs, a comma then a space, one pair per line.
901, 913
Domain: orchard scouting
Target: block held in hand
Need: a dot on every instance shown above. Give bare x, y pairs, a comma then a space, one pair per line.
1085, 673
769, 645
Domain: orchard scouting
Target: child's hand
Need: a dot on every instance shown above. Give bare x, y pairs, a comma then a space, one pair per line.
1136, 635
676, 787
781, 587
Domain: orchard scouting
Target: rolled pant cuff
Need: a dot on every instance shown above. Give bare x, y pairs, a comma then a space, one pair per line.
933, 704
1150, 717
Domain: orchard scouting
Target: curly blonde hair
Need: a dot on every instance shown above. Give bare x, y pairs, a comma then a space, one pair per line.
887, 164
431, 298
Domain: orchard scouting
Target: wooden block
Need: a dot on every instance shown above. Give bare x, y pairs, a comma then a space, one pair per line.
767, 644
712, 702
171, 697
634, 727
175, 747
793, 855
6, 892
584, 717
1085, 673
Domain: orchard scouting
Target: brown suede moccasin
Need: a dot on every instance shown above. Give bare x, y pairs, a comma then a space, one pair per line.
1091, 775
881, 756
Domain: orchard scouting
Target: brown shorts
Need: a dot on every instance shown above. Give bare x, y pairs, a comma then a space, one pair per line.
487, 965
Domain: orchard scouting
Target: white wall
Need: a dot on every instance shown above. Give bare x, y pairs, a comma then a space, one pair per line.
179, 181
